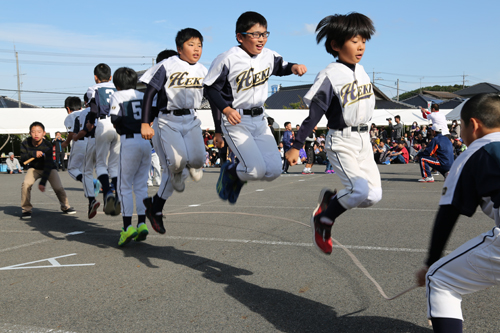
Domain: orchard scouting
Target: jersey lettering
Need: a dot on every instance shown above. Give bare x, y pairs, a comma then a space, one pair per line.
179, 80
134, 109
248, 79
351, 93
104, 95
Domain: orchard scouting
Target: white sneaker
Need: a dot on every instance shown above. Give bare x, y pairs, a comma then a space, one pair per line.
196, 174
178, 182
427, 180
150, 184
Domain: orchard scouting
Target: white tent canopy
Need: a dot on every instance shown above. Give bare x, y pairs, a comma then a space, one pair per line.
17, 121
455, 113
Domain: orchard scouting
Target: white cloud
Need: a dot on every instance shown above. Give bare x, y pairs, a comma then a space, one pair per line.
310, 27
307, 29
70, 41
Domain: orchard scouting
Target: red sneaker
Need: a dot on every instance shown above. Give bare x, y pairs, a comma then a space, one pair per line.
322, 232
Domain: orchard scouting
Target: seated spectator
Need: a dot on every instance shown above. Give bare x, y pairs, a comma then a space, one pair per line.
380, 152
382, 134
321, 139
460, 146
373, 131
321, 157
399, 154
411, 151
419, 139
302, 155
13, 165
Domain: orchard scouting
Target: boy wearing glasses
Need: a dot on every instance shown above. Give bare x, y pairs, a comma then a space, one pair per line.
236, 86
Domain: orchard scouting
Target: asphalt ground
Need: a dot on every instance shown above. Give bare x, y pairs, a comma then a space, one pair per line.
249, 267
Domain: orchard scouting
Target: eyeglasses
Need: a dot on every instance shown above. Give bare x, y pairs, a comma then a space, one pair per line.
257, 34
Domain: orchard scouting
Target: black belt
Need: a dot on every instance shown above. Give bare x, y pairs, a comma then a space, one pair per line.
129, 136
359, 128
81, 139
102, 117
254, 112
180, 112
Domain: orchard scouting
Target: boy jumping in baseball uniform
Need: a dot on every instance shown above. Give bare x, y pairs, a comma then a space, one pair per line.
344, 93
135, 153
236, 86
474, 180
177, 83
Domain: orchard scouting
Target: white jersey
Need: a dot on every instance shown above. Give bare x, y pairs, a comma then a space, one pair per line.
179, 84
245, 77
69, 121
101, 92
439, 119
353, 90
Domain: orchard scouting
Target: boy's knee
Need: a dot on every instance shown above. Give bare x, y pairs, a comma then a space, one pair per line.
374, 196
254, 172
358, 194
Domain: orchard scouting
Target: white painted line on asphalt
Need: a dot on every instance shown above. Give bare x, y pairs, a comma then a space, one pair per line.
5, 328
25, 245
249, 241
260, 190
75, 233
197, 205
53, 263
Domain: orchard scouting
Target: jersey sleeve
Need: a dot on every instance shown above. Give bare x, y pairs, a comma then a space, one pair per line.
156, 77
281, 67
216, 84
319, 98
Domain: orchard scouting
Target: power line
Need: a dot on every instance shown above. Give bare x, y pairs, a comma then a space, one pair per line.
58, 54
420, 75
57, 63
42, 92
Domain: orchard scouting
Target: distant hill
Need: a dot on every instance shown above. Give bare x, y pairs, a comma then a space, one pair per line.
415, 92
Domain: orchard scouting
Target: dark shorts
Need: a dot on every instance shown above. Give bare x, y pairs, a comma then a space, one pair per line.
310, 156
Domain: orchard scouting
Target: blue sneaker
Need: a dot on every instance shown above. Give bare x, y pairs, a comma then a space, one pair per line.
225, 182
387, 162
235, 193
97, 187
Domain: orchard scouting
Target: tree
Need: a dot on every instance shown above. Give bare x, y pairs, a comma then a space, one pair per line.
415, 92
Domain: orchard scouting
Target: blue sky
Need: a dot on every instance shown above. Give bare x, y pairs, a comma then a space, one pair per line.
419, 43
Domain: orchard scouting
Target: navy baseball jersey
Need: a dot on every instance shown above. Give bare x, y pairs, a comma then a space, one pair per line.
101, 93
126, 111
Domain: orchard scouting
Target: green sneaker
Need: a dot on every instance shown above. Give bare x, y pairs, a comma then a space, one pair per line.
142, 233
127, 236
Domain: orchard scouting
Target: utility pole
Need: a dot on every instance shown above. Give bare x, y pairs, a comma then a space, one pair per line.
397, 96
18, 80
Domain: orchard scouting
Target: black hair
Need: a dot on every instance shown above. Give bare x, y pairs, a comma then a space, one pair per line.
339, 28
435, 106
66, 101
85, 98
248, 20
103, 72
125, 78
37, 123
165, 54
74, 103
484, 107
186, 34
286, 123
397, 117
58, 132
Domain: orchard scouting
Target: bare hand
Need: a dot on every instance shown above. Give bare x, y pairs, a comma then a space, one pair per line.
299, 69
218, 140
292, 156
41, 188
39, 154
232, 115
64, 144
146, 131
420, 275
89, 126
